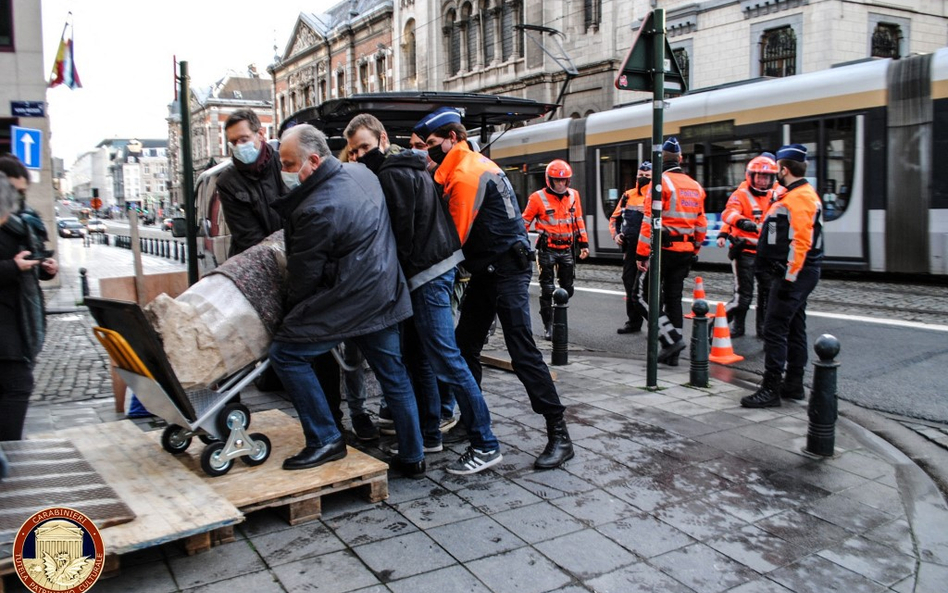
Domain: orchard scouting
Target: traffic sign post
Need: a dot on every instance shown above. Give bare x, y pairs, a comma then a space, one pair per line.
27, 146
647, 66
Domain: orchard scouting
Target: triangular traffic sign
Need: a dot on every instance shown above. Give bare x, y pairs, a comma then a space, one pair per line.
635, 74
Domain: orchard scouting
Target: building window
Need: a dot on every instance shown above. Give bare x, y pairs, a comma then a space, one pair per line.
453, 37
489, 22
511, 39
886, 40
592, 13
6, 25
364, 77
778, 52
381, 80
470, 27
322, 90
411, 66
681, 57
341, 83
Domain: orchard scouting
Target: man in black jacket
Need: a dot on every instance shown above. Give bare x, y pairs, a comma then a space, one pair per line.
248, 189
344, 282
428, 251
22, 313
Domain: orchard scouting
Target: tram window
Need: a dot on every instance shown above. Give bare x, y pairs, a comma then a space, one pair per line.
829, 169
721, 170
518, 180
618, 166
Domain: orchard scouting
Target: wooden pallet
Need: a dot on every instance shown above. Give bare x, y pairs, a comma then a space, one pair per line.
299, 492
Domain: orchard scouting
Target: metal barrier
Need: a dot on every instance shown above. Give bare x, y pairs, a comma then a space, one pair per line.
560, 327
699, 344
166, 248
824, 405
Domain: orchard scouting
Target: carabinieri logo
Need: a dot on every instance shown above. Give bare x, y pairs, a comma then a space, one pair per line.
58, 549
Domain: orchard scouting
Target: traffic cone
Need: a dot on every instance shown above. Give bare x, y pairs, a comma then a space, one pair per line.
698, 294
721, 350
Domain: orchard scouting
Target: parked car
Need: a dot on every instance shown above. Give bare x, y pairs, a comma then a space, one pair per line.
60, 221
71, 229
167, 224
96, 226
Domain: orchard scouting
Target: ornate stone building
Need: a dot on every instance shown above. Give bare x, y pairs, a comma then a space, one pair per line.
348, 50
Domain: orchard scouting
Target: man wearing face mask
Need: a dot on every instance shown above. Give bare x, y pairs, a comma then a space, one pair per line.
428, 251
624, 226
248, 189
344, 282
497, 253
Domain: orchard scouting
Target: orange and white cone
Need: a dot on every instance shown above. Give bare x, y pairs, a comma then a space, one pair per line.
698, 294
721, 350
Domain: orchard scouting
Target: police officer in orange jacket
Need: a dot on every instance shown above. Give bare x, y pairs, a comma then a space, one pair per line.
557, 212
791, 248
484, 207
624, 226
684, 227
743, 215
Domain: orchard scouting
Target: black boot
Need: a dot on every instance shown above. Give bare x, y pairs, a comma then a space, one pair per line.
559, 448
737, 325
548, 331
792, 387
767, 395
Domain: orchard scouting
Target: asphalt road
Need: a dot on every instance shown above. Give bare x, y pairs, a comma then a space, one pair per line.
886, 363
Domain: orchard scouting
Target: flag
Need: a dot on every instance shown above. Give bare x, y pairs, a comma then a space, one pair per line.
64, 68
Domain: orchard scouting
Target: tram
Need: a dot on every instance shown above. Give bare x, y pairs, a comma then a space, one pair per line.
876, 134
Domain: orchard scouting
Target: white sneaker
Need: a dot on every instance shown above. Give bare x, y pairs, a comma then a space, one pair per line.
448, 423
474, 460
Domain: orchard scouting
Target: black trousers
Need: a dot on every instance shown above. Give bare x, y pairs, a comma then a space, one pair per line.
633, 288
504, 292
745, 272
558, 263
16, 386
785, 343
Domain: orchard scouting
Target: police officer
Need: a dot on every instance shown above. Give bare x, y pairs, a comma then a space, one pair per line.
558, 214
684, 227
743, 215
791, 248
624, 226
485, 211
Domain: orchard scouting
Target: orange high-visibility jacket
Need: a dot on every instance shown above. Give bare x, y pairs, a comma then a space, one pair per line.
744, 204
560, 218
684, 224
632, 199
793, 230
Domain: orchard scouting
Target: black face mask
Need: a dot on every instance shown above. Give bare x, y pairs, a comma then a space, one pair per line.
373, 159
436, 153
642, 181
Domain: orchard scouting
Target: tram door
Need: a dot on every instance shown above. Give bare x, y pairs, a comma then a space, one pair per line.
618, 166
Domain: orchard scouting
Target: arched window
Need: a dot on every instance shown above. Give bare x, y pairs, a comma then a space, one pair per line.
408, 51
886, 40
453, 42
778, 52
489, 27
681, 57
470, 27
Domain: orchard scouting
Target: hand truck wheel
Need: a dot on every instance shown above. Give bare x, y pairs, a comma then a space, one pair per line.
231, 416
207, 439
213, 463
174, 439
261, 450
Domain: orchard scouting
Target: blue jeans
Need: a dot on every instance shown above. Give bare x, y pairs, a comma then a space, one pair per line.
291, 360
431, 303
354, 380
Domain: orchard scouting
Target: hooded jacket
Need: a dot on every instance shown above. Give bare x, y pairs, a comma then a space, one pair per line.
427, 240
22, 310
247, 193
343, 277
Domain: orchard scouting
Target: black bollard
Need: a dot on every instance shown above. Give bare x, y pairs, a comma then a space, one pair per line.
83, 283
699, 344
164, 248
175, 251
823, 407
560, 327
105, 239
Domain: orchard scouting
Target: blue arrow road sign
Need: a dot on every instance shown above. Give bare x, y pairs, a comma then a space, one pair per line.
27, 146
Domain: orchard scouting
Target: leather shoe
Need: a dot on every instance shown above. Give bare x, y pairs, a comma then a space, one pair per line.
313, 456
628, 328
415, 471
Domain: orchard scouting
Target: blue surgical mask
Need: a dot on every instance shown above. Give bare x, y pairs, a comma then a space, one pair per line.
290, 179
245, 152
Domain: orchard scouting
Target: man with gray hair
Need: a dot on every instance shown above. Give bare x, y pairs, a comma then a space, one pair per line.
344, 282
22, 314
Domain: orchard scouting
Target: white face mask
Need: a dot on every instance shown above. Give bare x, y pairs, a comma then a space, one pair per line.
245, 152
290, 179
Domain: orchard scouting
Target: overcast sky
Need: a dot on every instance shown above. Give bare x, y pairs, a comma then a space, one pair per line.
124, 53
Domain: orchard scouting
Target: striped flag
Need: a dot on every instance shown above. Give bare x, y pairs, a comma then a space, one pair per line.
64, 68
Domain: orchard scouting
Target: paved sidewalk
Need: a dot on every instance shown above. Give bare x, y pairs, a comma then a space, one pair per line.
677, 490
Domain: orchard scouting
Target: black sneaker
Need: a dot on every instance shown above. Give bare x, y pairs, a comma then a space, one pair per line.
628, 328
364, 429
458, 434
415, 471
473, 461
427, 447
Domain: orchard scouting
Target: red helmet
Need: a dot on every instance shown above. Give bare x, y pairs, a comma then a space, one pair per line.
558, 169
765, 165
